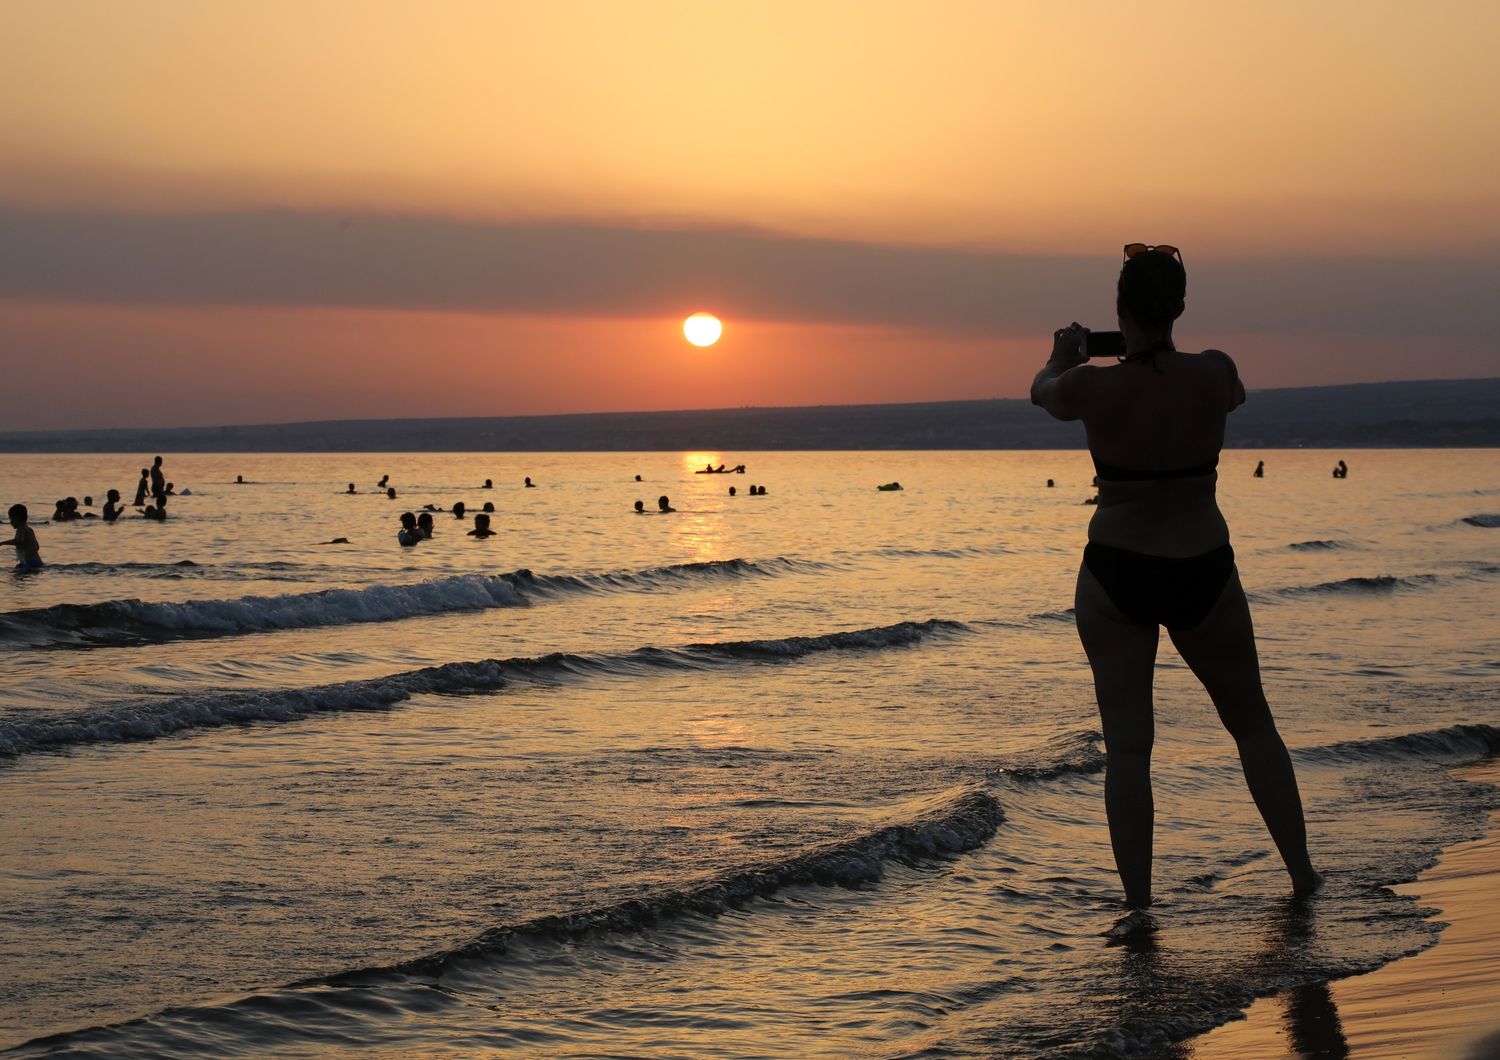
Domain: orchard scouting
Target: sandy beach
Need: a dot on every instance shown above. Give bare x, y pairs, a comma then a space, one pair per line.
1443, 1002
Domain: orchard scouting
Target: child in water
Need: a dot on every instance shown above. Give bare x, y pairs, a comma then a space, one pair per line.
28, 552
481, 527
408, 535
424, 525
112, 506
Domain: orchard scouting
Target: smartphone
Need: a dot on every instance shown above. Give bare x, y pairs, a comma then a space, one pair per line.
1103, 344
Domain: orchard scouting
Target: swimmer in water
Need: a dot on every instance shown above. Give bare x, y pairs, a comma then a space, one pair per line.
458, 510
489, 506
383, 483
424, 525
390, 493
488, 484
731, 491
663, 505
351, 489
481, 527
640, 507
408, 535
239, 480
638, 478
28, 552
112, 506
159, 512
529, 484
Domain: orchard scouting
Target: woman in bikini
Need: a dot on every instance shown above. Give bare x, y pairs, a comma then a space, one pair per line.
1158, 554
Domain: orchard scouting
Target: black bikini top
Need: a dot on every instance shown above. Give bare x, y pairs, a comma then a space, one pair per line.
1114, 473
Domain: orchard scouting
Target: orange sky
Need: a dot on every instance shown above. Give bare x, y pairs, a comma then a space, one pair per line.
249, 212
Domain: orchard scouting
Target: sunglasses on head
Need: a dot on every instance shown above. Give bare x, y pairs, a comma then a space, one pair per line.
1132, 249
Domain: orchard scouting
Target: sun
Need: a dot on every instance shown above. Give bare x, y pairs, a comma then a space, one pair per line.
702, 329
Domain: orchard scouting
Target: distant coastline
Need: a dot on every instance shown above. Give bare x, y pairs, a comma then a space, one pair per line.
1426, 414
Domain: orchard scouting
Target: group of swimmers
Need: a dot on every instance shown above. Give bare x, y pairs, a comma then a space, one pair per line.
390, 491
153, 482
755, 491
418, 528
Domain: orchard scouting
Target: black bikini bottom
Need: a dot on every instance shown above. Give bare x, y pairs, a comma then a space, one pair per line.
1160, 590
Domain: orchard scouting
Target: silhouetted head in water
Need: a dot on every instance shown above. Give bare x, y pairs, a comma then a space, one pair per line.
663, 504
1050, 483
113, 495
481, 526
489, 506
458, 510
638, 478
383, 480
171, 487
88, 502
351, 488
408, 520
239, 479
60, 511
528, 482
488, 484
731, 491
640, 507
391, 492
424, 523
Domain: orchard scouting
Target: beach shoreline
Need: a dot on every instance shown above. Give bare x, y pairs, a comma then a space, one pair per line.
1441, 1002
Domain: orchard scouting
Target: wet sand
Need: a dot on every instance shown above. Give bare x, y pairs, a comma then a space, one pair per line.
1443, 1002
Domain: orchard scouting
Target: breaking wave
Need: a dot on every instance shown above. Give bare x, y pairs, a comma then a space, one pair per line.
941, 825
135, 621
147, 720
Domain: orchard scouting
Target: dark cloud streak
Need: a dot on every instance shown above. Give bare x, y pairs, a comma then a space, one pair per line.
577, 268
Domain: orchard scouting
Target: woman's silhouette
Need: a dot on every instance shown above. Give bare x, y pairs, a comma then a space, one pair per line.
1158, 555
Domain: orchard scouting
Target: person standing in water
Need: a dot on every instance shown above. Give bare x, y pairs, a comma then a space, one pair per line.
158, 479
1260, 469
1158, 554
142, 487
28, 550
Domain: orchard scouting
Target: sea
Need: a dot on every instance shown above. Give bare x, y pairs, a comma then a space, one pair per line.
813, 773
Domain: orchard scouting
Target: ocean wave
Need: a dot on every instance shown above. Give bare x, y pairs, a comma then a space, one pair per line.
1380, 583
1487, 520
147, 720
1455, 743
948, 823
134, 621
1064, 754
937, 826
1319, 545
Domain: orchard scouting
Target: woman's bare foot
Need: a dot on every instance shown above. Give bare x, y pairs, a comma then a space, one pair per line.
1306, 884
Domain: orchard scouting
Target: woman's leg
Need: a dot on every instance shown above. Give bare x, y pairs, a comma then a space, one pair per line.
1123, 656
1221, 652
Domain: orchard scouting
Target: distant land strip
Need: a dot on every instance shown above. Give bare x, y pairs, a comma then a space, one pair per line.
1463, 413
